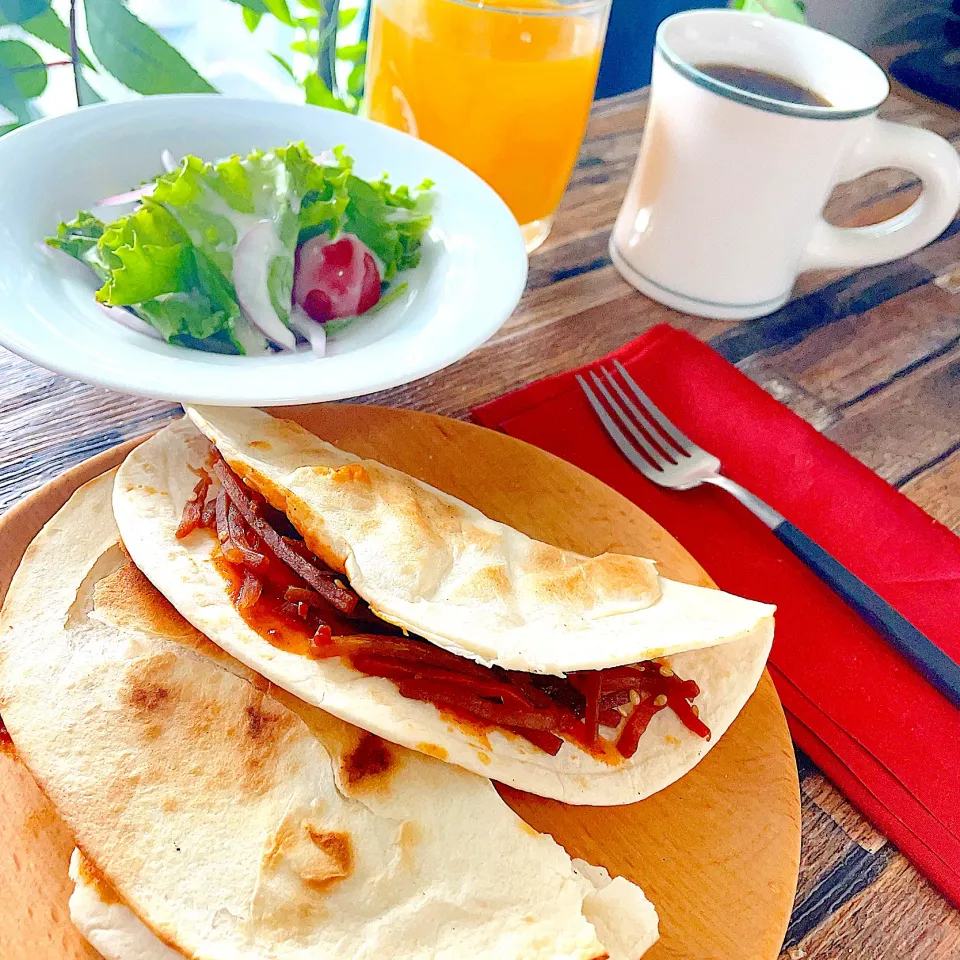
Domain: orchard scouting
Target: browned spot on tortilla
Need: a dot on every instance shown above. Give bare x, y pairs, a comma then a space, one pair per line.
433, 750
586, 581
259, 722
260, 444
93, 876
351, 473
152, 696
282, 840
431, 521
484, 758
526, 828
266, 725
334, 861
6, 741
491, 582
475, 536
368, 763
148, 698
126, 598
184, 722
148, 689
411, 833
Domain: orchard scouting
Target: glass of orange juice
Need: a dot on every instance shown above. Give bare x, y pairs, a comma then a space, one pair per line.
504, 86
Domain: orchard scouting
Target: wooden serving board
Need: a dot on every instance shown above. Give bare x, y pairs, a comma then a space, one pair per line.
717, 852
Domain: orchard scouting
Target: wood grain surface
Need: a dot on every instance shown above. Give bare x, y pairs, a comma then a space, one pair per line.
870, 357
717, 852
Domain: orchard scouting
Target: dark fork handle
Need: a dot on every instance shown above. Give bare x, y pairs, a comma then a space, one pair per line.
925, 655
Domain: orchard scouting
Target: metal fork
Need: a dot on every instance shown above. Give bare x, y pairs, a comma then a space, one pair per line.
666, 456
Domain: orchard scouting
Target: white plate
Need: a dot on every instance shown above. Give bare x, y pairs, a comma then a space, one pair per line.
471, 276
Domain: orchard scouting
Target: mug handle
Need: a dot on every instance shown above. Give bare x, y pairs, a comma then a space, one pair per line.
932, 158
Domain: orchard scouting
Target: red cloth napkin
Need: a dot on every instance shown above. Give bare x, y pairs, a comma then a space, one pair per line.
887, 738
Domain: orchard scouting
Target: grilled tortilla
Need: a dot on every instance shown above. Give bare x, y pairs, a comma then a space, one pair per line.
158, 479
223, 818
439, 568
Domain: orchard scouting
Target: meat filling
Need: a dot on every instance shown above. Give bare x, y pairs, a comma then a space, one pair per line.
271, 566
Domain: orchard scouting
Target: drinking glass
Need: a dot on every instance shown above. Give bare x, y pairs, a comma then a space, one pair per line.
505, 87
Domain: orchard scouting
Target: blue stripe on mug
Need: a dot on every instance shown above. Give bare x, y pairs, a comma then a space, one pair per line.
757, 100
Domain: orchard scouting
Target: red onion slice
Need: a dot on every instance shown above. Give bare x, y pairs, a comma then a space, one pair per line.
131, 196
310, 330
251, 267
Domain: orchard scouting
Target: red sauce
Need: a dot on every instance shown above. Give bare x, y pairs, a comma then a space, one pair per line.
6, 742
275, 601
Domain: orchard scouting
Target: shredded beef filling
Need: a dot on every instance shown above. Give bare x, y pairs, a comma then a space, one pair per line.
273, 565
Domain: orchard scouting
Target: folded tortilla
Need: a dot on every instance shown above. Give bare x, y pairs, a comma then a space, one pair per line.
438, 567
158, 477
221, 818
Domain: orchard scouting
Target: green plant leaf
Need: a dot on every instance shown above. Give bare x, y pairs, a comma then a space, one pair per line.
355, 81
280, 10
353, 52
283, 63
251, 18
319, 95
26, 65
310, 47
136, 54
12, 99
47, 26
86, 93
346, 17
257, 6
786, 9
16, 11
311, 4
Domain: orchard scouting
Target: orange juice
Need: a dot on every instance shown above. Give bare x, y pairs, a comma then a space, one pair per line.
505, 90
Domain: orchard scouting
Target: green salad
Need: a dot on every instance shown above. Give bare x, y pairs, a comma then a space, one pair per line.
252, 254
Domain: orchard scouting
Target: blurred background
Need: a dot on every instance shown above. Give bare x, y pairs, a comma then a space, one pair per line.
285, 49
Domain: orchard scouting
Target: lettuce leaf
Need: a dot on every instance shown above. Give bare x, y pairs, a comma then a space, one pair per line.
392, 223
79, 239
150, 254
148, 264
217, 203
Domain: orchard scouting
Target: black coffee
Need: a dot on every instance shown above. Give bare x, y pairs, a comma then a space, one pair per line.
763, 84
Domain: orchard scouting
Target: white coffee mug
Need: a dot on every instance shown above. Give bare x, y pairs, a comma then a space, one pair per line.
725, 205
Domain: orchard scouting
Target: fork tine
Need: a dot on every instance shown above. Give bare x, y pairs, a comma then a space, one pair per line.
614, 432
683, 443
649, 449
641, 417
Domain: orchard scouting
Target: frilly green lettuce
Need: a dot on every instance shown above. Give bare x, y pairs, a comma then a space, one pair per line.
171, 261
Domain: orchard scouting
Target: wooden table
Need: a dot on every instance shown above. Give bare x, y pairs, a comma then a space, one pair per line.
871, 358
